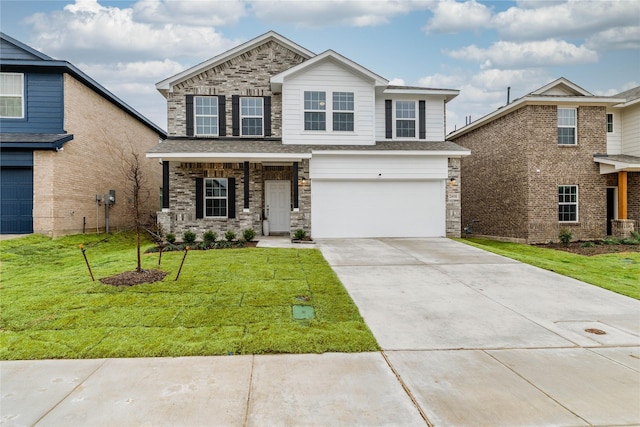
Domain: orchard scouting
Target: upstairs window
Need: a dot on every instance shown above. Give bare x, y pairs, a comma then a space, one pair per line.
11, 95
215, 198
566, 126
609, 123
251, 116
315, 116
405, 119
343, 111
568, 203
206, 115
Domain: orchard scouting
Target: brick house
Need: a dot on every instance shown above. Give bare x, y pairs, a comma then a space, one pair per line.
271, 131
63, 140
557, 158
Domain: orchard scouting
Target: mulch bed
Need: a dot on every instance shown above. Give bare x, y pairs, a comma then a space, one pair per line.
596, 249
132, 278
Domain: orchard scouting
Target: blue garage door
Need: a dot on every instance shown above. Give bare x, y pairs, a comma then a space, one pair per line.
16, 200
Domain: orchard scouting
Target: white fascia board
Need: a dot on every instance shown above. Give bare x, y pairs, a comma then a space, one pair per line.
422, 91
168, 83
628, 104
278, 79
536, 100
611, 166
559, 82
199, 157
423, 153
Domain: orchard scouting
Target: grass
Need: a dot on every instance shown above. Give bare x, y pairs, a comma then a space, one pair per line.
618, 272
236, 301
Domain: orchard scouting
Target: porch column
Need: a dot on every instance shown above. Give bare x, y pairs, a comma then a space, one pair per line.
165, 185
622, 195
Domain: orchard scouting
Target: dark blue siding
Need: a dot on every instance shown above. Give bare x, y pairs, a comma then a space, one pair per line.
44, 105
11, 51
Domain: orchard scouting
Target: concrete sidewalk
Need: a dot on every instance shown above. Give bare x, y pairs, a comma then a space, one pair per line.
469, 338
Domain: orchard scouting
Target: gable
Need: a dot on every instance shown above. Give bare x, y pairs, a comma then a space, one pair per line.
12, 49
561, 87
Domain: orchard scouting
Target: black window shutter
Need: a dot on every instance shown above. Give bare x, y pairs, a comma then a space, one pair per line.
189, 108
422, 120
388, 119
267, 116
165, 185
231, 198
235, 115
199, 198
222, 116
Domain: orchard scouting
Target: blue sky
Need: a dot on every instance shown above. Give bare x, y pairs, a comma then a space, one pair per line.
478, 47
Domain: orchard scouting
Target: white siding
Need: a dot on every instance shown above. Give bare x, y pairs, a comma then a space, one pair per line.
614, 139
435, 110
377, 167
327, 76
631, 130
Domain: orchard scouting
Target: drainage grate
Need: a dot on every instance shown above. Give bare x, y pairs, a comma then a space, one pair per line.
301, 312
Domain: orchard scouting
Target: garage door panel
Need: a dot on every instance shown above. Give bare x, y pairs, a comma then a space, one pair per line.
16, 200
378, 209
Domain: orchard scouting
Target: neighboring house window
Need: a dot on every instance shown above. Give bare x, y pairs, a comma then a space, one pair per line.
405, 119
314, 111
215, 198
343, 111
568, 203
206, 115
11, 95
251, 116
609, 123
566, 126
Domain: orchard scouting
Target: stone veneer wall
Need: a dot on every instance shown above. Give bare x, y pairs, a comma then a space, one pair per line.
248, 74
453, 218
181, 216
516, 166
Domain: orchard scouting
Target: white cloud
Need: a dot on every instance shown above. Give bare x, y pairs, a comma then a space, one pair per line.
214, 13
88, 31
396, 82
615, 91
321, 13
452, 17
528, 54
573, 18
615, 39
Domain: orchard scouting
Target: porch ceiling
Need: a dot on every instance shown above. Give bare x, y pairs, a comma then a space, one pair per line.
617, 163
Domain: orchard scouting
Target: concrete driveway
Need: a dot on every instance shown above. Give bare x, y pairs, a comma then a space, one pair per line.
479, 339
469, 339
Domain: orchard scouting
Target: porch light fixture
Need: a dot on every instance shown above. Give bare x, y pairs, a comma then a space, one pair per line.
452, 181
303, 180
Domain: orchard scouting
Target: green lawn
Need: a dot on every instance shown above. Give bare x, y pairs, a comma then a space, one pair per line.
233, 301
619, 272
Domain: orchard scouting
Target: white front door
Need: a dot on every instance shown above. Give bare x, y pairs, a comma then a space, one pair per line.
278, 205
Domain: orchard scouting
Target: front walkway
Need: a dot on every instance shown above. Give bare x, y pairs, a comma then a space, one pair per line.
469, 338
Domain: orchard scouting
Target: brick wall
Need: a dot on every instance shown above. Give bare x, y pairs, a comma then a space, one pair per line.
516, 166
633, 197
248, 74
66, 182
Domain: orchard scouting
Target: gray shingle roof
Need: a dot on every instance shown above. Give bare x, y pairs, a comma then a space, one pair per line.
34, 140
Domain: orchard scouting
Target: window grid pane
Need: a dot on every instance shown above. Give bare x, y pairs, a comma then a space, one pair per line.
609, 123
215, 197
406, 128
252, 126
343, 122
314, 100
567, 203
405, 110
343, 101
206, 115
11, 89
315, 121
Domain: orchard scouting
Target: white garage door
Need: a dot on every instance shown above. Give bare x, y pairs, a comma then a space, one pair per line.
378, 208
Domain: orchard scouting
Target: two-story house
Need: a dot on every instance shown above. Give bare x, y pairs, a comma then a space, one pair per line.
557, 158
65, 143
271, 131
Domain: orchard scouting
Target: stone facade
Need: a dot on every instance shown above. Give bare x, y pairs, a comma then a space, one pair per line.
453, 203
94, 162
516, 166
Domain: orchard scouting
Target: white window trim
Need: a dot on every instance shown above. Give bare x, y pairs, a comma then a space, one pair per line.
252, 117
22, 96
415, 120
226, 216
575, 127
577, 203
328, 99
612, 123
195, 116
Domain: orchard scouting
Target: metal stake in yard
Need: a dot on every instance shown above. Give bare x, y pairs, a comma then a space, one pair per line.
87, 261
186, 251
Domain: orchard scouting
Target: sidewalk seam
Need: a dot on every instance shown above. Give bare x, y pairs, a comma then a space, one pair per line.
246, 411
406, 389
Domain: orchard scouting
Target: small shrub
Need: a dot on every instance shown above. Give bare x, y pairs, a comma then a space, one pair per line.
230, 236
248, 234
188, 237
222, 244
587, 245
299, 234
171, 238
565, 236
611, 241
209, 238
